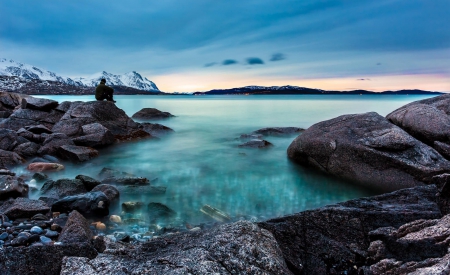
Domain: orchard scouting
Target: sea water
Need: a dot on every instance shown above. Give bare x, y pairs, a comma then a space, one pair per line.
201, 163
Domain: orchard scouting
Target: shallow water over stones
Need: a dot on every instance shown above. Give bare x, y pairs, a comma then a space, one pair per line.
201, 163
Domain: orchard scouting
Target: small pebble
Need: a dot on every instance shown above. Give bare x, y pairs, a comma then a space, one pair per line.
3, 236
1, 243
100, 226
36, 230
45, 240
7, 224
55, 227
115, 218
24, 234
51, 234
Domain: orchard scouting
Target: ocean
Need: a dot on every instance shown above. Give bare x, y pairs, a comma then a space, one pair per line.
201, 163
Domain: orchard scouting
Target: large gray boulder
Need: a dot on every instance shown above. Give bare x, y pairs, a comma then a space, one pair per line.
41, 104
335, 239
62, 188
103, 112
77, 153
427, 120
369, 150
94, 135
27, 117
27, 149
9, 101
91, 204
53, 142
239, 248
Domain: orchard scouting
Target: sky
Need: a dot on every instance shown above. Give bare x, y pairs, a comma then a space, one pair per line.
198, 45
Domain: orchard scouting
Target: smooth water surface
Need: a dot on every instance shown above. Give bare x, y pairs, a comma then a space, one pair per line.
201, 162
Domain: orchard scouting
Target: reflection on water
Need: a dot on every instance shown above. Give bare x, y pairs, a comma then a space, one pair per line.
201, 163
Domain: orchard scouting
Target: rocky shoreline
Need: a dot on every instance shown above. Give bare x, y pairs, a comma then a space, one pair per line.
69, 229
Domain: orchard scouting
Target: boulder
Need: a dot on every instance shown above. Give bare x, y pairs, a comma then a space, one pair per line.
37, 138
12, 187
9, 101
23, 208
9, 159
53, 142
77, 153
335, 239
151, 113
91, 204
27, 117
94, 135
238, 248
256, 143
278, 131
427, 120
40, 177
45, 166
369, 150
88, 182
155, 129
27, 149
41, 104
8, 139
62, 188
76, 230
38, 129
110, 191
102, 112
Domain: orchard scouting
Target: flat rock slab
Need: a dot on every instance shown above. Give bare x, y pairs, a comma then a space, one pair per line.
77, 153
23, 208
151, 113
278, 131
41, 104
45, 166
369, 150
239, 248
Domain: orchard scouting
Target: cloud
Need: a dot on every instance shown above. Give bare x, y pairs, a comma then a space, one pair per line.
254, 61
277, 57
210, 64
229, 62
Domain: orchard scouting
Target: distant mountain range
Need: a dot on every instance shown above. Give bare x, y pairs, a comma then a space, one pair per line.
24, 78
294, 90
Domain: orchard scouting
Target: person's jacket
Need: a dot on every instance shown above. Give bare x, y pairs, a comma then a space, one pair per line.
102, 89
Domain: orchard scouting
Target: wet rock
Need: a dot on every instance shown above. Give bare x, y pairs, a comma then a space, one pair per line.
94, 135
256, 143
155, 129
45, 166
110, 191
8, 139
38, 129
109, 172
141, 189
12, 187
77, 153
100, 226
151, 113
157, 210
3, 236
76, 230
62, 188
132, 206
40, 177
89, 183
6, 172
39, 217
127, 180
27, 149
36, 230
53, 142
369, 150
30, 136
23, 208
5, 114
239, 248
337, 236
115, 219
19, 241
41, 104
45, 240
278, 131
9, 159
91, 204
9, 101
251, 136
215, 213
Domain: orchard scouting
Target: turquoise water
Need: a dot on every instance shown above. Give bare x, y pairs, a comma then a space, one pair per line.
201, 162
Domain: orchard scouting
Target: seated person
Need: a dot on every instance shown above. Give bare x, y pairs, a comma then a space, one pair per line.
104, 92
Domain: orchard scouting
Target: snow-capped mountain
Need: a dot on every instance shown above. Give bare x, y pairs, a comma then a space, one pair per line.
131, 79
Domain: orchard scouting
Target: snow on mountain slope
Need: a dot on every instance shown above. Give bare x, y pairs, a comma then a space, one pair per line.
131, 79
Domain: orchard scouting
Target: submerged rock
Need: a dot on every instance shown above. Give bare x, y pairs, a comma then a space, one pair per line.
368, 149
256, 143
215, 213
89, 183
278, 131
151, 113
127, 180
155, 129
109, 172
158, 210
132, 206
